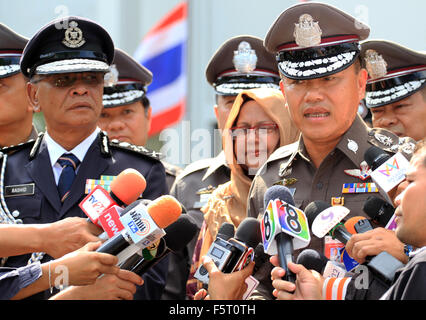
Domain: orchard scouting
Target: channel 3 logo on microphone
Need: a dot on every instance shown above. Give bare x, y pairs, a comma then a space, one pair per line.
280, 217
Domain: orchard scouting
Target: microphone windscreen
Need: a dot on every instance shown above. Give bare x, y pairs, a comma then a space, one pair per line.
164, 210
128, 185
226, 231
313, 209
379, 210
249, 232
350, 224
375, 157
312, 260
278, 192
180, 233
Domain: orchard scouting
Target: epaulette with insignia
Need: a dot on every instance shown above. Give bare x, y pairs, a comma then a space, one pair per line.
196, 166
284, 151
14, 148
171, 169
390, 142
134, 148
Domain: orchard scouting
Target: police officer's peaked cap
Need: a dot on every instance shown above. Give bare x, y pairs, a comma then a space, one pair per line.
70, 44
395, 72
242, 63
11, 47
131, 81
313, 40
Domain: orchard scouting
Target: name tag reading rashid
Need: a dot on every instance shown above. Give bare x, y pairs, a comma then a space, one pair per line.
19, 190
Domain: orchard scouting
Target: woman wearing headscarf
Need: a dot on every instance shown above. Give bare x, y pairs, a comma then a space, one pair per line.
257, 125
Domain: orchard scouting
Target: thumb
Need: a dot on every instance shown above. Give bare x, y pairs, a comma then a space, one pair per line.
209, 264
248, 270
299, 270
92, 246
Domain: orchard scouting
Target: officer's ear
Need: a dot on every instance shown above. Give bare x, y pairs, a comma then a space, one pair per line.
282, 87
362, 83
32, 95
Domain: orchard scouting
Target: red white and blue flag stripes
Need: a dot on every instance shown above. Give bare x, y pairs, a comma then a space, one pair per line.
163, 52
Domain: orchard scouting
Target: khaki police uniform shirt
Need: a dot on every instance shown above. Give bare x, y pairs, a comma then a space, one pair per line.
291, 166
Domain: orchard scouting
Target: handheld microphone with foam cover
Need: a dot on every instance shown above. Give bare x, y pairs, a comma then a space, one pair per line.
284, 227
387, 171
351, 223
325, 219
226, 231
177, 236
379, 210
143, 225
125, 189
312, 260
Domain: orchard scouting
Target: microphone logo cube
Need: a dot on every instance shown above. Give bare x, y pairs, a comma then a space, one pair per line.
141, 228
391, 173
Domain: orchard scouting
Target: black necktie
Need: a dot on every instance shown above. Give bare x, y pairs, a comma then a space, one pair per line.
69, 164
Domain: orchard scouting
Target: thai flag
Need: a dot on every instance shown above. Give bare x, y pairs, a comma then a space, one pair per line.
163, 52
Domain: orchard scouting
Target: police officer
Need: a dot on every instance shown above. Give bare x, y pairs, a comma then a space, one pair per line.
396, 88
45, 180
317, 47
16, 113
239, 63
126, 115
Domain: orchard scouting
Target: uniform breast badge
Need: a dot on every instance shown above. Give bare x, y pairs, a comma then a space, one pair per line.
204, 194
337, 201
368, 187
363, 173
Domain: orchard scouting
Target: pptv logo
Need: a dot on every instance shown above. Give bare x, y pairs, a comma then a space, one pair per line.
389, 168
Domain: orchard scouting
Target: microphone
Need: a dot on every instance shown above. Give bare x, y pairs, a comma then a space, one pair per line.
351, 224
328, 220
380, 211
226, 231
143, 225
235, 253
387, 172
312, 260
125, 189
284, 227
177, 236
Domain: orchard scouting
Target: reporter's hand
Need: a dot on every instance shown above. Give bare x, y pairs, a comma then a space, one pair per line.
373, 242
67, 235
84, 265
119, 286
226, 286
308, 284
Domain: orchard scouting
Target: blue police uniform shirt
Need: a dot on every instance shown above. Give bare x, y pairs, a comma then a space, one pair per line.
31, 165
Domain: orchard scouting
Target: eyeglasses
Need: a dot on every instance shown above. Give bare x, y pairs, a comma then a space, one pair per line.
261, 128
67, 80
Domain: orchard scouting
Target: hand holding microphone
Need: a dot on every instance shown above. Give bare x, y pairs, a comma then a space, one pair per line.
126, 188
143, 225
284, 227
